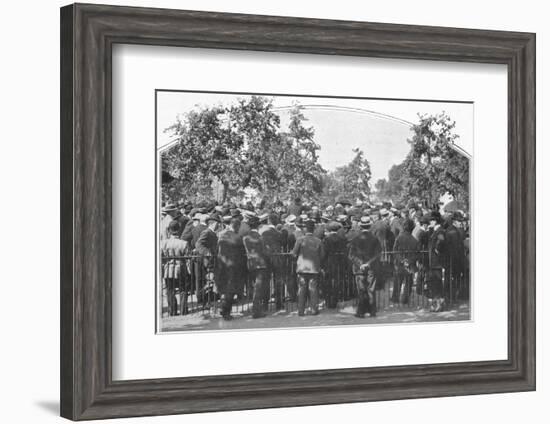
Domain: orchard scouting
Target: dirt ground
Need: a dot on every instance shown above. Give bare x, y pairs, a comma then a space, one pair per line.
391, 314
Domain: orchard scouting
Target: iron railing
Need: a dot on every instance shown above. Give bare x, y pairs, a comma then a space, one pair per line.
399, 284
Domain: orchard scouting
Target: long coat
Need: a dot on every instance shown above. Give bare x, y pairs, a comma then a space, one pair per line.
231, 261
273, 240
383, 233
438, 248
405, 248
455, 245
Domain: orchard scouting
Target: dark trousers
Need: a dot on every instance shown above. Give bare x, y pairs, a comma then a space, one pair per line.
171, 286
198, 278
276, 272
228, 280
308, 284
402, 287
365, 284
260, 281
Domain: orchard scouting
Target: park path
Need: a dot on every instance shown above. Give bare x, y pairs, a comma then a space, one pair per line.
327, 317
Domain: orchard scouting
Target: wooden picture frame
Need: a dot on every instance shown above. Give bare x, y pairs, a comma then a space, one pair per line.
88, 33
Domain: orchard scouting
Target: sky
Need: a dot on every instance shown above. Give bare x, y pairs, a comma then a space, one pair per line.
379, 127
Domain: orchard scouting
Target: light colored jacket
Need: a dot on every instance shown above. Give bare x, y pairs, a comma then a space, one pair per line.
310, 253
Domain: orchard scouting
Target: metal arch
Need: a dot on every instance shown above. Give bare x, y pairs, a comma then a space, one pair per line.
342, 109
349, 109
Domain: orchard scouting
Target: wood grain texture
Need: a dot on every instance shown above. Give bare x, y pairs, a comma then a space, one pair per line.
88, 33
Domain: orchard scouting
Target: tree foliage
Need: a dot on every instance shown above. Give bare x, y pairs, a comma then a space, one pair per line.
433, 167
351, 180
242, 146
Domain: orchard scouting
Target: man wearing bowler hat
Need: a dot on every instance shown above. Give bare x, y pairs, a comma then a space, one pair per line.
364, 254
230, 264
257, 263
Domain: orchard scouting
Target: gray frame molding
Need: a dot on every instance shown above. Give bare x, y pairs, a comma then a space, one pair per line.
88, 33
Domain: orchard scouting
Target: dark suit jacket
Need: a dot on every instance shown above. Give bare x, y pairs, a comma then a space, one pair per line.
455, 245
195, 234
273, 240
231, 248
438, 248
231, 261
406, 247
256, 251
362, 249
334, 244
383, 233
207, 244
319, 231
244, 229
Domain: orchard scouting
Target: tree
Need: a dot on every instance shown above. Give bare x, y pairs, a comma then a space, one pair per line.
434, 165
242, 146
355, 176
351, 180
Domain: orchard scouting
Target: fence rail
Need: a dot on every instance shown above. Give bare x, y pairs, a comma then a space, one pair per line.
194, 289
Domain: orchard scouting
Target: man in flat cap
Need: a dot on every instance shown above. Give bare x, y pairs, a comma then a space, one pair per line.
309, 252
257, 263
364, 254
174, 271
171, 213
230, 264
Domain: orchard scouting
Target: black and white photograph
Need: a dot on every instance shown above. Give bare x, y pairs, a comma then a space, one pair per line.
279, 211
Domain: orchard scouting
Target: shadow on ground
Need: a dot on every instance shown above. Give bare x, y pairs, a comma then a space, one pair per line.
327, 317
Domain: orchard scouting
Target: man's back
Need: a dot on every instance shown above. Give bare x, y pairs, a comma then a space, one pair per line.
255, 251
195, 234
309, 251
207, 244
230, 248
173, 246
363, 248
273, 239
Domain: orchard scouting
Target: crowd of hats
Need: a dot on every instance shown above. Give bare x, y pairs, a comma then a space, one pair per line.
341, 214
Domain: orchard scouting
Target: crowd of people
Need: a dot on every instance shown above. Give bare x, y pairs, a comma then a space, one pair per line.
233, 244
